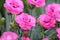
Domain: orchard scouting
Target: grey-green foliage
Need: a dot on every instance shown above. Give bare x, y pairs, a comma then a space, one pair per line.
36, 33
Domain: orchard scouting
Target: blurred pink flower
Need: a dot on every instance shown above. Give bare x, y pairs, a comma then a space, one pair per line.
0, 38
58, 30
37, 3
14, 7
25, 21
57, 13
45, 39
46, 21
50, 9
58, 35
25, 38
9, 36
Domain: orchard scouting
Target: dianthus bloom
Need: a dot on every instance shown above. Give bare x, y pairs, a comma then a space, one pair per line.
25, 21
50, 9
37, 3
14, 6
46, 21
58, 31
45, 39
25, 38
9, 36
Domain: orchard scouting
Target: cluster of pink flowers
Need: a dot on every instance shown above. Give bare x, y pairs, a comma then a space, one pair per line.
52, 15
49, 19
9, 36
37, 3
14, 7
25, 21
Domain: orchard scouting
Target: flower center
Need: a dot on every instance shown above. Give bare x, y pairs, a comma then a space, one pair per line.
47, 20
14, 4
52, 9
26, 20
35, 0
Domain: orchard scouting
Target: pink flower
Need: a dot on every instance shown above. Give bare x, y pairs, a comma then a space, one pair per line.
50, 9
14, 7
58, 30
0, 38
57, 13
25, 21
37, 3
45, 39
46, 21
9, 36
25, 38
58, 35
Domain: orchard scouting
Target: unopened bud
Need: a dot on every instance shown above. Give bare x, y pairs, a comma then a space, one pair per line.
13, 25
31, 6
2, 21
25, 33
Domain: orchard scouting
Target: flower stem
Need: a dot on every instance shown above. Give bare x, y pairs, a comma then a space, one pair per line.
51, 34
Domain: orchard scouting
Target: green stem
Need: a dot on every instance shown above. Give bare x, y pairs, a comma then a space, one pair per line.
13, 16
51, 34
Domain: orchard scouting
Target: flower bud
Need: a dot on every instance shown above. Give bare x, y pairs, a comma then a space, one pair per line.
13, 25
2, 21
